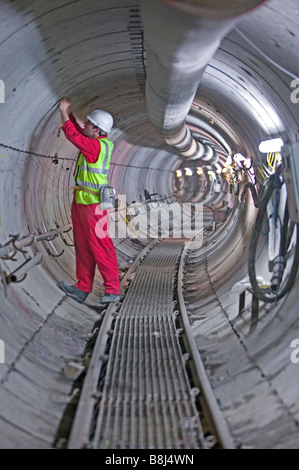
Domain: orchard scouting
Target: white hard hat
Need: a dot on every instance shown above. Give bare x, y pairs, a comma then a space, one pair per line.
101, 119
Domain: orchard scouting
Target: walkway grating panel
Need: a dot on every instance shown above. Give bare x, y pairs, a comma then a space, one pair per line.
147, 400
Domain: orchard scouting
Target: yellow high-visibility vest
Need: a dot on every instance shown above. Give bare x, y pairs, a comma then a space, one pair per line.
91, 177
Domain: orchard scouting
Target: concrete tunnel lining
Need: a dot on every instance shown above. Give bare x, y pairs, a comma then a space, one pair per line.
96, 66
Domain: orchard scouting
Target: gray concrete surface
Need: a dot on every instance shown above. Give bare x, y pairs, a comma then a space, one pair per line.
93, 52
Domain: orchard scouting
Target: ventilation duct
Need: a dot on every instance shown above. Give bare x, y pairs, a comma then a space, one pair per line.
174, 71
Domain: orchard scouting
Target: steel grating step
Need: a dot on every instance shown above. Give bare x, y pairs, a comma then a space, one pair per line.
147, 400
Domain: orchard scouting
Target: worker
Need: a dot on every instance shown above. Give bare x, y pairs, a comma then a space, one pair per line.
90, 175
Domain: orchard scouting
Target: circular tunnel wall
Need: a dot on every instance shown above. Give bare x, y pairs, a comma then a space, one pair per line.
95, 53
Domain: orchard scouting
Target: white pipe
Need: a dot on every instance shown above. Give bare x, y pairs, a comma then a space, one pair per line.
179, 46
216, 9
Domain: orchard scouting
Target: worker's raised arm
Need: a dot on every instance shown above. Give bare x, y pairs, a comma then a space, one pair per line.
89, 147
64, 106
66, 114
76, 124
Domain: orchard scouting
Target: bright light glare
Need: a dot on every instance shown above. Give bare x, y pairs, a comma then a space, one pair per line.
238, 157
199, 171
242, 161
229, 161
179, 173
245, 163
273, 145
219, 168
188, 172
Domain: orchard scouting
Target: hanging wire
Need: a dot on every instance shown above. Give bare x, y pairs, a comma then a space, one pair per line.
56, 158
34, 153
73, 160
235, 174
266, 56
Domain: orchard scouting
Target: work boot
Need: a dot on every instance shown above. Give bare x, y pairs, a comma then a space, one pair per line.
72, 291
109, 298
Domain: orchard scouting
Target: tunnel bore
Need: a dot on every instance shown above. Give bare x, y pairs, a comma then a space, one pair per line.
242, 98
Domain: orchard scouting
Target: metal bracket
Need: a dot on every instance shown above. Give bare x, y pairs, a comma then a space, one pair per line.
11, 278
51, 254
65, 242
3, 280
9, 258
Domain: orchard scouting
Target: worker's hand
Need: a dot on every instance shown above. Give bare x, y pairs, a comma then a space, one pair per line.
64, 104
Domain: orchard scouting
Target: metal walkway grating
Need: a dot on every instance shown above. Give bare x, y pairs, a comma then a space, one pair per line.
147, 400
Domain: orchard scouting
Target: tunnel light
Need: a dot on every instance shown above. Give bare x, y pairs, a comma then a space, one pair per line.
188, 172
245, 164
219, 168
272, 145
199, 171
229, 161
179, 173
242, 161
238, 157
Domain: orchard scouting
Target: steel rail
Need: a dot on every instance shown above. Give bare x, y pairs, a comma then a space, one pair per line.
200, 377
81, 428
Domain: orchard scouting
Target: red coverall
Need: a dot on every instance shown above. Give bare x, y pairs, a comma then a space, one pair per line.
91, 251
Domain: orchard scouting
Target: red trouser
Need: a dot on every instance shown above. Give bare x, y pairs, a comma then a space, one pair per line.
92, 250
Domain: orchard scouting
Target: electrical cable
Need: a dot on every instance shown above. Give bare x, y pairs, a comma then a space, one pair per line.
258, 292
296, 77
55, 157
34, 153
